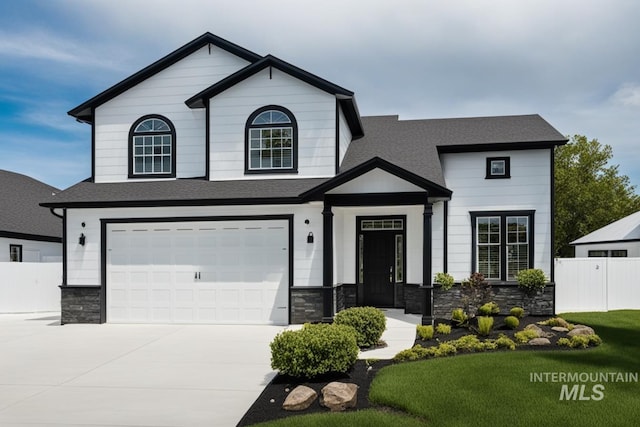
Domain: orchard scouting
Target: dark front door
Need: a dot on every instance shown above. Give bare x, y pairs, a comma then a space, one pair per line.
379, 257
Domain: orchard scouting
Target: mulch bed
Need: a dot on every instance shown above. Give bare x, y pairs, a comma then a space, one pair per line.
268, 406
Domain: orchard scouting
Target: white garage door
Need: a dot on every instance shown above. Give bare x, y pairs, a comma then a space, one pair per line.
231, 272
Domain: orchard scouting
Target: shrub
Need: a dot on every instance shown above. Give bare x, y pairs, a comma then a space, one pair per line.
566, 342
425, 332
517, 312
485, 323
444, 279
417, 352
459, 316
504, 341
443, 329
474, 291
511, 322
445, 349
466, 342
489, 309
594, 340
581, 341
531, 280
556, 321
314, 350
525, 336
369, 323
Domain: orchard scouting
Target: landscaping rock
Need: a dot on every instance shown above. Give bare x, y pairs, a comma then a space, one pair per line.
581, 330
534, 327
540, 341
560, 329
339, 396
299, 399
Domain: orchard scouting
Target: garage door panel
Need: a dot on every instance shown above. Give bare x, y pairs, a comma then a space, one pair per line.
233, 272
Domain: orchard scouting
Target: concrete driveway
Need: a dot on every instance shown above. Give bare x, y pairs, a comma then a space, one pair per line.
129, 375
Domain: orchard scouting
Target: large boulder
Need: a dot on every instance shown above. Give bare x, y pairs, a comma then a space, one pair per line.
581, 330
560, 329
339, 396
540, 341
539, 331
299, 399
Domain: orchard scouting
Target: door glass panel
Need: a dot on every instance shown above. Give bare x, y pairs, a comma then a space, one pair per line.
361, 258
399, 258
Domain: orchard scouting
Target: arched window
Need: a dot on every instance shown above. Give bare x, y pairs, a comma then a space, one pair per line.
152, 146
271, 141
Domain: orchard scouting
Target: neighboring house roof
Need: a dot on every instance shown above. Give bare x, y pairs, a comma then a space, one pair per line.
84, 111
21, 216
414, 145
625, 229
344, 96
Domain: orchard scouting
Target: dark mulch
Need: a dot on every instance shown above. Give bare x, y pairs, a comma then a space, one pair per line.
268, 406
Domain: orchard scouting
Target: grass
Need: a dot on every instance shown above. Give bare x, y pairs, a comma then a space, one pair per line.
488, 389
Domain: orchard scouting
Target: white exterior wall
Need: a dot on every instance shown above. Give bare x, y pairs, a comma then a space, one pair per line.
632, 248
314, 111
164, 94
529, 188
83, 262
32, 250
30, 287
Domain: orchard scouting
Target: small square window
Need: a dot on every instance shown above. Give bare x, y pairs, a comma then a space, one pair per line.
498, 168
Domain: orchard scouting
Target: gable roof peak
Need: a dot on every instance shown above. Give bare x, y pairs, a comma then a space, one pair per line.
84, 111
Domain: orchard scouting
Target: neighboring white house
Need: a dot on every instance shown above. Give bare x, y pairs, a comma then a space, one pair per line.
28, 231
230, 187
619, 239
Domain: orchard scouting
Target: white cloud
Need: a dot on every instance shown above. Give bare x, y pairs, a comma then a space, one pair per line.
628, 95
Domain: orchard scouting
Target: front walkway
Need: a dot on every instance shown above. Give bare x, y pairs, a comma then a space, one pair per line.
399, 335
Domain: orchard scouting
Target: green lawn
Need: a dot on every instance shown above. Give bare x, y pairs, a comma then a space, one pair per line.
489, 389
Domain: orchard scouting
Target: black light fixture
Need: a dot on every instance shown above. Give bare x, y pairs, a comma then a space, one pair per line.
81, 239
310, 237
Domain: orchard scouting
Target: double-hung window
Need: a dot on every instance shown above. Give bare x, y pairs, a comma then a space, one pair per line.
15, 253
502, 243
152, 148
271, 141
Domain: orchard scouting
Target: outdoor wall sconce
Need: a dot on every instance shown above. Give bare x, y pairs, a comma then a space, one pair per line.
81, 239
310, 237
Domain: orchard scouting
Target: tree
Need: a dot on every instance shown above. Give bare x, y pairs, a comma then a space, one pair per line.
590, 193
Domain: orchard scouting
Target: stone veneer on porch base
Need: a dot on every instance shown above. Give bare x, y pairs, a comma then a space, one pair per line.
506, 296
80, 304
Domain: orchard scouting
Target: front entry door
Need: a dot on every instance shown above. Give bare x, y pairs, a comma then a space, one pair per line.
379, 258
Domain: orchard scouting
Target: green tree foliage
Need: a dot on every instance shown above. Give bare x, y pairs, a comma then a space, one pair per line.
590, 193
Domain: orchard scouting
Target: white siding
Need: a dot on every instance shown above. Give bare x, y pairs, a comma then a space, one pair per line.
163, 93
313, 109
528, 189
632, 248
375, 181
32, 250
84, 261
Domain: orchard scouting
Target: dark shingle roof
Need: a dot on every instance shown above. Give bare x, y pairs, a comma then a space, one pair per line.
193, 192
20, 212
415, 145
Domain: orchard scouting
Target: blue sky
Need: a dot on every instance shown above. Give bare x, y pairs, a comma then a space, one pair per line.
576, 63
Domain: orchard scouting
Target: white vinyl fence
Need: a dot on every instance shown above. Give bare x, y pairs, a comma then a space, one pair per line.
597, 284
30, 286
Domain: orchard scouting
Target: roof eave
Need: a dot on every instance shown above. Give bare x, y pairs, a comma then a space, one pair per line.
500, 146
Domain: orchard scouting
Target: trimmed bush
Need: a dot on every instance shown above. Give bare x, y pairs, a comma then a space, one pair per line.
444, 279
566, 342
459, 317
314, 350
489, 309
425, 332
517, 312
511, 322
594, 340
369, 323
581, 341
504, 341
445, 349
485, 323
443, 329
531, 280
417, 352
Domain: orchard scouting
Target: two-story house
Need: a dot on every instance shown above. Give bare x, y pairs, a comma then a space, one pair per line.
229, 187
